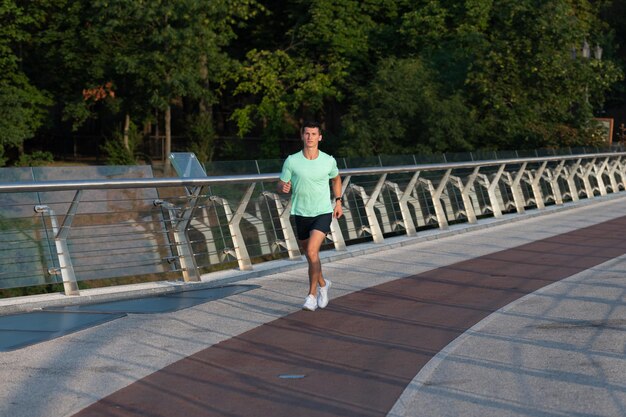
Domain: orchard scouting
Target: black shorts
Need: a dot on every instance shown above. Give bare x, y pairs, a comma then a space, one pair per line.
304, 225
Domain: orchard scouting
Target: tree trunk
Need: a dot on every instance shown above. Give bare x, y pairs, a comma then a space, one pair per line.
204, 74
168, 139
126, 129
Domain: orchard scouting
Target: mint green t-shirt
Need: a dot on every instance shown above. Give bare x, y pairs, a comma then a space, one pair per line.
310, 188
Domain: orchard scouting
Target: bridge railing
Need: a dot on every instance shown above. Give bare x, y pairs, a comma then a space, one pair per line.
68, 231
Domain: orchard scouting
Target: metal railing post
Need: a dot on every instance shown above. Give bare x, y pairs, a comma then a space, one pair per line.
619, 171
598, 173
465, 195
535, 186
284, 211
516, 189
571, 183
553, 178
68, 276
622, 171
375, 230
436, 195
403, 202
491, 191
180, 219
584, 176
336, 236
234, 224
611, 173
440, 214
347, 213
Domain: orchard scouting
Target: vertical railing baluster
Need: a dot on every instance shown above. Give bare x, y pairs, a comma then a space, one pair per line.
465, 195
598, 173
436, 195
585, 172
554, 183
535, 185
403, 202
68, 276
376, 231
234, 224
491, 192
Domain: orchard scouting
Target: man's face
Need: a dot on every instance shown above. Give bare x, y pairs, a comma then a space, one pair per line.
311, 136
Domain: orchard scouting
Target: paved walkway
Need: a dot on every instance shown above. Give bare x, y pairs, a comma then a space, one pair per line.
525, 318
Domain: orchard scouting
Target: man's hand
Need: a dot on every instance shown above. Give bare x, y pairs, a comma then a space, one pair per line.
338, 210
283, 187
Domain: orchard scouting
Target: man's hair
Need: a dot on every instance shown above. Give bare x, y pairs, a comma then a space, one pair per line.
311, 123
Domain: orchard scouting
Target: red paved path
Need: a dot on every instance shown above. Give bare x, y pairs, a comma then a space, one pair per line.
359, 354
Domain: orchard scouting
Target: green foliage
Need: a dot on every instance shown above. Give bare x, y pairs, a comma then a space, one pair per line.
165, 50
388, 76
13, 21
22, 105
201, 131
526, 87
293, 76
146, 55
480, 74
403, 110
285, 85
35, 159
117, 153
23, 111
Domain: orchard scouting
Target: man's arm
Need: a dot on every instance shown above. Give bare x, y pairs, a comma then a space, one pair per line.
338, 209
283, 187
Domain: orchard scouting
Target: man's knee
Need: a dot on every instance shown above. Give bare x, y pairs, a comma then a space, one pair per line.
312, 254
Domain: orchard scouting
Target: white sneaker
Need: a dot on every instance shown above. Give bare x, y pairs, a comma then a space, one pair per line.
322, 297
310, 303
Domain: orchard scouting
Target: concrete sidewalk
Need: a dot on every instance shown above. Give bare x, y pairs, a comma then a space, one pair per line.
569, 336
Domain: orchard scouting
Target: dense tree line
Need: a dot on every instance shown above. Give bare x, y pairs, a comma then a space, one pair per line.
384, 76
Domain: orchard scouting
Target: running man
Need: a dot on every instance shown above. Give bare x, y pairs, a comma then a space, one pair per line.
306, 175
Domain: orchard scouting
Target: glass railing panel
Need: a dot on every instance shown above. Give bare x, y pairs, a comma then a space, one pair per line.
113, 232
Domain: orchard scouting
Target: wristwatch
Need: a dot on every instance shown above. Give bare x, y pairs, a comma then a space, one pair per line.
338, 199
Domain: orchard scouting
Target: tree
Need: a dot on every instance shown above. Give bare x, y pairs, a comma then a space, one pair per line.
528, 88
146, 55
23, 107
405, 110
321, 51
285, 86
506, 69
383, 75
167, 50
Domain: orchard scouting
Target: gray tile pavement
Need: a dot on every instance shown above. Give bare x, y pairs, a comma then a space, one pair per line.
560, 351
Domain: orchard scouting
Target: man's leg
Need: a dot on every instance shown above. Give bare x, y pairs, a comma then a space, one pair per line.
311, 248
